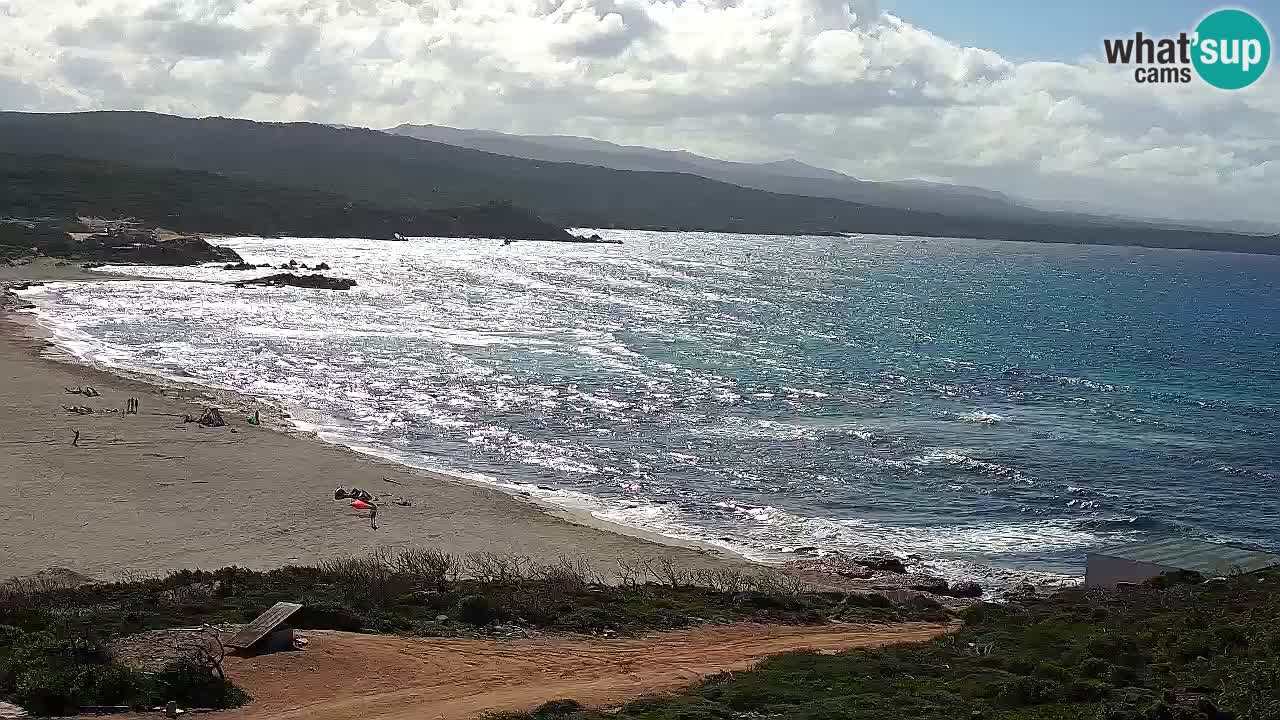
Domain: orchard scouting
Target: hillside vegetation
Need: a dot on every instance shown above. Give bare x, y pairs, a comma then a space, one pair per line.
367, 166
194, 201
56, 640
1175, 649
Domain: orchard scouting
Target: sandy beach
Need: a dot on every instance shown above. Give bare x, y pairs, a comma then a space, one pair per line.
148, 493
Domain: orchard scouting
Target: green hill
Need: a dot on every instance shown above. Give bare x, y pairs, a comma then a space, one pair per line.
54, 186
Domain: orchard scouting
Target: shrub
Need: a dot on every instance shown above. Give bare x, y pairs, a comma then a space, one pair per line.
991, 613
553, 708
566, 574
368, 581
1116, 647
44, 691
1194, 645
116, 684
327, 617
1028, 691
1054, 672
1095, 668
193, 685
428, 565
1087, 690
1123, 711
476, 610
875, 600
1254, 690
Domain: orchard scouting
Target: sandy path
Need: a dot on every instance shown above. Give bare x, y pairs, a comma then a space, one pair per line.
342, 676
150, 493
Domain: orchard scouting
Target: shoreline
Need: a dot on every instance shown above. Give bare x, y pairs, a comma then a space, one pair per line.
515, 506
41, 368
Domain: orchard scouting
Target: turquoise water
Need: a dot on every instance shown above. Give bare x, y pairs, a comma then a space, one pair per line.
998, 408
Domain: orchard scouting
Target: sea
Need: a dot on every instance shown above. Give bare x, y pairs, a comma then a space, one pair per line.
996, 408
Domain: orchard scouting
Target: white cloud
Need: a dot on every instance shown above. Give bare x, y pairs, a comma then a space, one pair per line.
832, 82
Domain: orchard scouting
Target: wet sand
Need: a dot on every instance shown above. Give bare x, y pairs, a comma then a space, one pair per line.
148, 493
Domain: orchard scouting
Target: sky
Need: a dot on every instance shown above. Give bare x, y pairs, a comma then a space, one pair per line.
1018, 29
1000, 94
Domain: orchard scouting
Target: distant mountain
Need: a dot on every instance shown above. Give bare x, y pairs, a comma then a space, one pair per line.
408, 176
1248, 227
794, 177
795, 168
791, 177
963, 190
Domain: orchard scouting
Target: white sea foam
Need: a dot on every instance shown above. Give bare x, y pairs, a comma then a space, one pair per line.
978, 416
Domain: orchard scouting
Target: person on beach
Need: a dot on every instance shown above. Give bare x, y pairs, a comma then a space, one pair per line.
373, 516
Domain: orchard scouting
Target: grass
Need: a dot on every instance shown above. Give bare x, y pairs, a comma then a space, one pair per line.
55, 640
1176, 649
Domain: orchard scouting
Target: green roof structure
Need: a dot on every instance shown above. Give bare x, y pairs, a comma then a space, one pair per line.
1203, 557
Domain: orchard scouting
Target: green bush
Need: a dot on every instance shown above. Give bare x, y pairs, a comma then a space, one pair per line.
1087, 690
327, 617
553, 708
1253, 689
868, 600
1028, 691
1094, 668
476, 610
192, 684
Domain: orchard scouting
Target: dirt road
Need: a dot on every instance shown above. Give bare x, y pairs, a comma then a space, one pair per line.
342, 676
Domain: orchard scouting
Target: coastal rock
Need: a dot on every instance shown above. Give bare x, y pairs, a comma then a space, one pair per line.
136, 247
837, 565
966, 589
1026, 592
120, 244
313, 282
882, 563
594, 239
931, 585
240, 266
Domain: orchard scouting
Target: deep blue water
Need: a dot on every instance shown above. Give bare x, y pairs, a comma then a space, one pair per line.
984, 404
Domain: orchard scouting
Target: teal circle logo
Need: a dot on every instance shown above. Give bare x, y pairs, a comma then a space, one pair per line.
1232, 49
